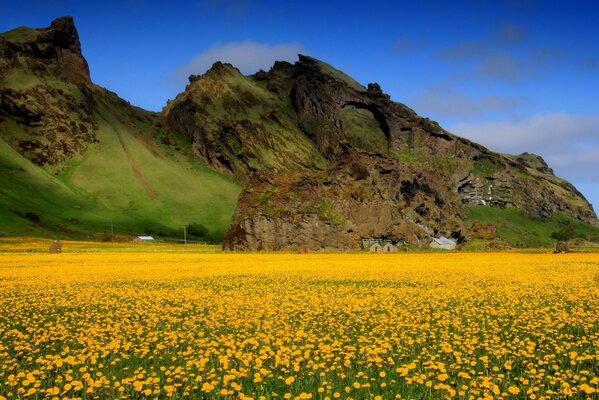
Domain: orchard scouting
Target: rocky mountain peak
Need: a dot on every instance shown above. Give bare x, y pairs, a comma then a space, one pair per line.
55, 50
218, 70
65, 34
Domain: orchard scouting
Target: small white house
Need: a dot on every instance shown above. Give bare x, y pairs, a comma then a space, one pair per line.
143, 239
443, 243
376, 248
389, 248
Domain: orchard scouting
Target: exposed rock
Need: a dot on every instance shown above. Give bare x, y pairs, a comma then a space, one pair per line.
424, 161
360, 195
56, 117
498, 244
483, 231
55, 49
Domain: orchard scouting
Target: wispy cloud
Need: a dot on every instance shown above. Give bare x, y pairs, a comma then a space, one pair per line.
463, 52
443, 101
590, 64
247, 56
404, 45
510, 34
503, 67
500, 57
569, 143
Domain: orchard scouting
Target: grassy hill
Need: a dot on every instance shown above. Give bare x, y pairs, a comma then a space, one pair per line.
75, 158
139, 184
521, 230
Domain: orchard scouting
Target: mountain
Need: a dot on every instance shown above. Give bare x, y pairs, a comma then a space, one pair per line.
326, 162
75, 158
298, 155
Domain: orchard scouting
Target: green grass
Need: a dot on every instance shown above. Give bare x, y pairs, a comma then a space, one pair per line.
20, 34
406, 155
363, 131
485, 167
31, 245
338, 75
102, 186
521, 230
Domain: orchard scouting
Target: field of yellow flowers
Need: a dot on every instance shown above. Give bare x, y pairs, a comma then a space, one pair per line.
286, 326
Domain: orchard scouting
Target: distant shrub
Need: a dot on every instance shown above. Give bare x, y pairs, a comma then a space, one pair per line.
198, 230
564, 234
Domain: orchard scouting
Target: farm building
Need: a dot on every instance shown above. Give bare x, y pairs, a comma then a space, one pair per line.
376, 248
389, 248
143, 239
443, 243
367, 243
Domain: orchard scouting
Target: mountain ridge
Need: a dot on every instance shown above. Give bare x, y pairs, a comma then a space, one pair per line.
78, 161
270, 131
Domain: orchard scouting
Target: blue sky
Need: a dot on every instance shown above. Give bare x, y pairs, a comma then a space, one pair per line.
513, 75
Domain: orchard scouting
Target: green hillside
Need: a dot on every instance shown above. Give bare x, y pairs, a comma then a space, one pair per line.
75, 158
521, 230
139, 184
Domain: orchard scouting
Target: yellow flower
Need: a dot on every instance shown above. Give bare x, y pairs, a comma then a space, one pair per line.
513, 390
206, 387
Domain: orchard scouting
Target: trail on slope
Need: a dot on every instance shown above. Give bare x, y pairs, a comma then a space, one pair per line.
132, 164
137, 135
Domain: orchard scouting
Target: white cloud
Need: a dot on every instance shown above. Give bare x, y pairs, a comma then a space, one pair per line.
247, 56
581, 166
557, 133
443, 101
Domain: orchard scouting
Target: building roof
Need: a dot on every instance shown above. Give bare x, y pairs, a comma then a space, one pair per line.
444, 241
145, 238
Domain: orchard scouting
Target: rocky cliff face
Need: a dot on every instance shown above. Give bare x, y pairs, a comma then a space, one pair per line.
398, 150
360, 195
239, 126
45, 90
55, 50
48, 104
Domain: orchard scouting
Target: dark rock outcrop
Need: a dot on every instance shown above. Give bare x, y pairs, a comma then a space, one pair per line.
54, 111
55, 50
360, 195
408, 180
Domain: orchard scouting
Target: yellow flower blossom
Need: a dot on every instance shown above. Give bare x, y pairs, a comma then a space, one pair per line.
182, 325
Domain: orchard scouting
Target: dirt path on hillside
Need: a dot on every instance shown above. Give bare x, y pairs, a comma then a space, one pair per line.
136, 134
132, 164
